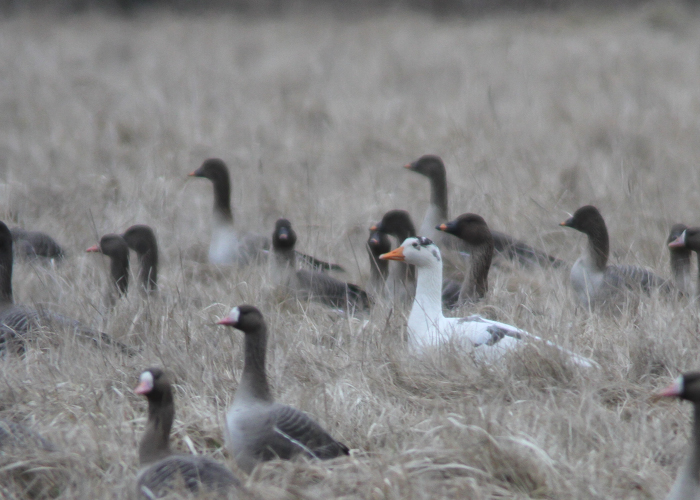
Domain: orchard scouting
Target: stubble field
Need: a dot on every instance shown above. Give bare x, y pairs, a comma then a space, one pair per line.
102, 118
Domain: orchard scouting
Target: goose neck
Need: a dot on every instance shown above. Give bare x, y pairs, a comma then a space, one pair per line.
119, 269
680, 269
695, 452
155, 443
438, 192
599, 246
148, 269
477, 284
254, 379
429, 290
6, 277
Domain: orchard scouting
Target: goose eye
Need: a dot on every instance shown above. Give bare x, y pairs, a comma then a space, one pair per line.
415, 245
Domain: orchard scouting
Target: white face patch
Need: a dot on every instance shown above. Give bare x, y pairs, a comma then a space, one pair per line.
145, 383
234, 315
678, 384
683, 236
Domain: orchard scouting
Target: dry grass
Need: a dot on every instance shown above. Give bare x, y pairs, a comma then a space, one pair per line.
101, 119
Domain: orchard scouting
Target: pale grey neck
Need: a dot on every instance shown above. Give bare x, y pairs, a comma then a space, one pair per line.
429, 291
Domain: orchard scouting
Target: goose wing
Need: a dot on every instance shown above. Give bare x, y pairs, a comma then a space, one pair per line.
293, 432
332, 292
192, 472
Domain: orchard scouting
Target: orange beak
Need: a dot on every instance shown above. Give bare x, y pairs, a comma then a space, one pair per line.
677, 243
442, 227
395, 254
407, 165
93, 248
192, 174
373, 228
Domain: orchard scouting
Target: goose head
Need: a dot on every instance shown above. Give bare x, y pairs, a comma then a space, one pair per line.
586, 219
471, 228
428, 165
378, 243
687, 387
284, 237
246, 318
689, 238
418, 250
112, 245
153, 383
213, 169
396, 223
140, 238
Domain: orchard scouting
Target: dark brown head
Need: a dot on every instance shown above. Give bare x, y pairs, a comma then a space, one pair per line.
215, 170
112, 245
687, 387
155, 385
246, 318
284, 237
428, 165
141, 239
586, 219
689, 239
397, 223
470, 228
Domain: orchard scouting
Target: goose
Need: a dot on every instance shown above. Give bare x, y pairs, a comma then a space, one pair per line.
16, 321
114, 247
427, 326
401, 283
432, 167
689, 240
142, 240
34, 244
473, 230
377, 244
593, 280
227, 246
161, 470
687, 484
308, 284
257, 428
680, 259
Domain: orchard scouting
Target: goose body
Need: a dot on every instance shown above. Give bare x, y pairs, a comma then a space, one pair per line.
257, 428
227, 246
432, 167
427, 326
687, 484
161, 470
306, 283
17, 321
592, 279
682, 241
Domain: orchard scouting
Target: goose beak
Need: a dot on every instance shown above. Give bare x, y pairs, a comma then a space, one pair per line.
374, 228
93, 248
396, 254
227, 321
678, 242
192, 174
673, 390
143, 388
283, 234
567, 222
447, 227
408, 166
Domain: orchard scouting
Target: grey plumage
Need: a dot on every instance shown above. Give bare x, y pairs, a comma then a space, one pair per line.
33, 244
257, 428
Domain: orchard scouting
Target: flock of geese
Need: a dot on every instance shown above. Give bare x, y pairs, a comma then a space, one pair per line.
444, 267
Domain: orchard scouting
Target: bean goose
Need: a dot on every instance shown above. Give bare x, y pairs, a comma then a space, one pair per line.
257, 428
142, 240
33, 244
687, 484
227, 246
688, 240
307, 284
17, 321
473, 230
433, 168
114, 247
680, 259
593, 280
161, 470
427, 326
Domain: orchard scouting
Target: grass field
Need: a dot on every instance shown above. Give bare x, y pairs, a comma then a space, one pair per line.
102, 118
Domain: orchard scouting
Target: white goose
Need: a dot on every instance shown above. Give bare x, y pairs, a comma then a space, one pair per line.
427, 326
